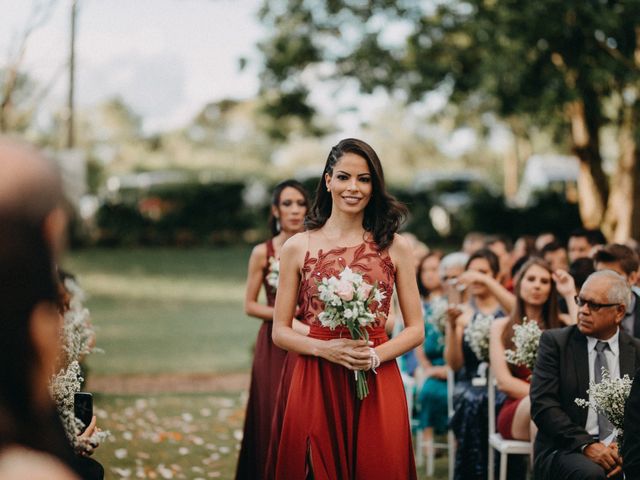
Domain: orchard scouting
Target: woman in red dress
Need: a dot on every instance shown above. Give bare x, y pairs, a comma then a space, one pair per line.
288, 207
537, 288
327, 432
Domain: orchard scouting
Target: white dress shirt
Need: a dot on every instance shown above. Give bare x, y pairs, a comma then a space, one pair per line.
613, 361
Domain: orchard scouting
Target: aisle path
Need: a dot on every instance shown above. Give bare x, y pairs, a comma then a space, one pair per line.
172, 382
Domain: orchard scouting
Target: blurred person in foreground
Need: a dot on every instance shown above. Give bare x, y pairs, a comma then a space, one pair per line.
31, 192
570, 440
31, 212
29, 348
624, 261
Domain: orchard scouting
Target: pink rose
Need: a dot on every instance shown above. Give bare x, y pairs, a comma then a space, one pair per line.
345, 291
365, 290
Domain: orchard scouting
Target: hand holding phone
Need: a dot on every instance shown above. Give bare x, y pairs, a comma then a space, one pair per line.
83, 407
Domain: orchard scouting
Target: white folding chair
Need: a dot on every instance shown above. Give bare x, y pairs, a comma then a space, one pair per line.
505, 447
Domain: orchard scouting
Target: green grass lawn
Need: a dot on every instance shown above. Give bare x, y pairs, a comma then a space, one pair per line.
162, 310
170, 311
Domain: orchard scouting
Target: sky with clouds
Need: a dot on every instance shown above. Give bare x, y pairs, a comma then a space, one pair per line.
165, 58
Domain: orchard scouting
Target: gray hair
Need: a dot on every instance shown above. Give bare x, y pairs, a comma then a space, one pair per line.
619, 290
455, 259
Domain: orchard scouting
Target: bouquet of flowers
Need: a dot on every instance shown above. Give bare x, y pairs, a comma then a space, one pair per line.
608, 398
526, 338
477, 336
438, 314
274, 272
347, 301
78, 337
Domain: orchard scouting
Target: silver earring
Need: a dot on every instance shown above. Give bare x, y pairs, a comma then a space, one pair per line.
277, 224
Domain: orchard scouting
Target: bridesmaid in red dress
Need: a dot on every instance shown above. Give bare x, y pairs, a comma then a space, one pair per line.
537, 288
288, 207
327, 432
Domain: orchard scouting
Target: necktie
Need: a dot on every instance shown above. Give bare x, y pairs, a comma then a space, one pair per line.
604, 426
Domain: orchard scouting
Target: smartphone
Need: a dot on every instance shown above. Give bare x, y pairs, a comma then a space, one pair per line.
452, 292
83, 407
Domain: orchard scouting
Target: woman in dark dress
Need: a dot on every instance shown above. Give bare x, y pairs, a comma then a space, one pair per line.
470, 419
328, 432
288, 208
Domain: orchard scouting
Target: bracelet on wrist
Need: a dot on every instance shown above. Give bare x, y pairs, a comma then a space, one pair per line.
374, 360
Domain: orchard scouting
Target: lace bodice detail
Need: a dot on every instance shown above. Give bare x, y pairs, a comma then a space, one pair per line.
374, 265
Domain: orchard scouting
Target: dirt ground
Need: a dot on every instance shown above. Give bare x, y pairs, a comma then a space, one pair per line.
165, 383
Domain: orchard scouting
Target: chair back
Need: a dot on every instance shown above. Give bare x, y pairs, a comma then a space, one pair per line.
491, 393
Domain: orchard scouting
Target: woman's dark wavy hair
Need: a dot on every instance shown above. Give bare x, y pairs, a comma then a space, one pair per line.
383, 215
489, 256
550, 310
26, 280
275, 201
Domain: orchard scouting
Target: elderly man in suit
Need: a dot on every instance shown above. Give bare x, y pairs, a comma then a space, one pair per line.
621, 259
571, 440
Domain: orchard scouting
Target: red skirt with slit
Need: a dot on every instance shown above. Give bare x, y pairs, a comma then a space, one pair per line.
327, 433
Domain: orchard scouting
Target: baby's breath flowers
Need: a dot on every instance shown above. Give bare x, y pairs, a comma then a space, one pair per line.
77, 340
608, 398
526, 339
438, 314
476, 335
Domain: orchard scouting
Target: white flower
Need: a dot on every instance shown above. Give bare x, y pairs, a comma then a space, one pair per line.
477, 335
273, 276
608, 398
526, 339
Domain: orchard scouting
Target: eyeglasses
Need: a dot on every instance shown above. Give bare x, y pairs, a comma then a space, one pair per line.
593, 306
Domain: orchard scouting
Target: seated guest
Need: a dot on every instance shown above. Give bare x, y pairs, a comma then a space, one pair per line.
501, 246
583, 243
569, 444
432, 397
621, 259
580, 269
556, 255
543, 238
630, 451
536, 299
473, 241
470, 418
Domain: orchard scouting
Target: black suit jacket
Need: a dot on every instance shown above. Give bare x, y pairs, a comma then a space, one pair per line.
636, 316
561, 375
631, 444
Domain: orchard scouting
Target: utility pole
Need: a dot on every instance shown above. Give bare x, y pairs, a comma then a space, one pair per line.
72, 66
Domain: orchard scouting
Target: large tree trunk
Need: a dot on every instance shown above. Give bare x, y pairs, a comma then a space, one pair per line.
618, 221
593, 187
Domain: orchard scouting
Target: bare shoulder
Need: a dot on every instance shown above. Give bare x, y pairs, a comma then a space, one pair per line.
400, 249
259, 253
295, 247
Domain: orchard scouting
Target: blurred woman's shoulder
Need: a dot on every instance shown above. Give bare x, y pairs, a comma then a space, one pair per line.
18, 463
